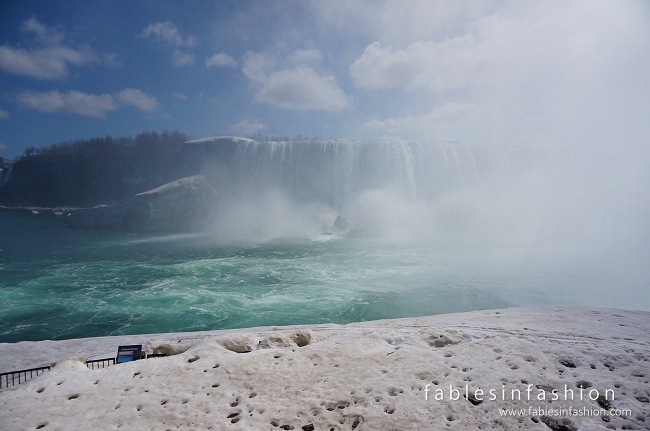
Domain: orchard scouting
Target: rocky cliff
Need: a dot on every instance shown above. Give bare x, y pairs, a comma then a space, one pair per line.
185, 204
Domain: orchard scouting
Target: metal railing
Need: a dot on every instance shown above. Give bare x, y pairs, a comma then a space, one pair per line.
13, 378
100, 363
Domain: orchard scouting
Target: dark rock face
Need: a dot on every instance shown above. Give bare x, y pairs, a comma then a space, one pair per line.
181, 205
341, 223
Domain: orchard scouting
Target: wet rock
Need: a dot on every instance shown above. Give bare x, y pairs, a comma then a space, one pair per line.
341, 223
181, 205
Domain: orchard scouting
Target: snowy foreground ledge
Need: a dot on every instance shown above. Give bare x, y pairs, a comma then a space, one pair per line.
363, 376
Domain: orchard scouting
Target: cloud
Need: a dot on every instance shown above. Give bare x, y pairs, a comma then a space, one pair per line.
302, 88
453, 63
72, 102
565, 75
500, 49
246, 128
305, 56
400, 22
3, 147
297, 88
182, 58
256, 66
168, 33
442, 122
137, 98
180, 96
111, 60
89, 105
45, 63
46, 36
220, 60
50, 60
3, 114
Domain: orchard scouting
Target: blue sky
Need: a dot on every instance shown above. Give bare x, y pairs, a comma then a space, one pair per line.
483, 73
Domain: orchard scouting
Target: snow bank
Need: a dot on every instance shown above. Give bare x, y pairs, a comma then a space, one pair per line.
432, 372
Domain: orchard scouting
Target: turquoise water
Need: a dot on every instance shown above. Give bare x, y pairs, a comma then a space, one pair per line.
457, 228
58, 283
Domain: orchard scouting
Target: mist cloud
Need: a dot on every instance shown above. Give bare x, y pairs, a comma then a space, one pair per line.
442, 122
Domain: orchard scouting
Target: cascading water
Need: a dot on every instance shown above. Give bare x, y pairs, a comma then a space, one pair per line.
334, 172
6, 175
449, 227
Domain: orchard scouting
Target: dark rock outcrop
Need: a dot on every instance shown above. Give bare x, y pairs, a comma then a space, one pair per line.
341, 223
181, 205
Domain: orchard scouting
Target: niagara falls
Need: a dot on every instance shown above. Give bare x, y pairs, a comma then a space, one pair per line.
431, 227
348, 215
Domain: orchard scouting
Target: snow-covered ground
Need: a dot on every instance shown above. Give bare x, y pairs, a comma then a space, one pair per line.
403, 374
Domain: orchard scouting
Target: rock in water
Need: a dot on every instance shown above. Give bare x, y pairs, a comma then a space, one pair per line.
178, 205
181, 205
341, 223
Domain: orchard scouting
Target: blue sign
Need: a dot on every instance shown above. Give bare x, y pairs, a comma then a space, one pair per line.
129, 353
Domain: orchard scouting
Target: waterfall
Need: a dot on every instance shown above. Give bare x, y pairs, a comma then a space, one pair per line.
334, 171
7, 175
